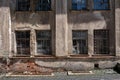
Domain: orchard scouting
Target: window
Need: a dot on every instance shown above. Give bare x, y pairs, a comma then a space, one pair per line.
101, 42
43, 42
23, 5
101, 4
43, 5
80, 43
23, 42
79, 4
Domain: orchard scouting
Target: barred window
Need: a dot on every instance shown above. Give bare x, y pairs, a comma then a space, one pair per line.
101, 41
43, 5
101, 5
43, 42
23, 42
80, 42
23, 5
79, 4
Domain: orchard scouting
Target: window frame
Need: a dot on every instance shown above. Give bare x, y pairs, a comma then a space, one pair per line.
107, 39
32, 7
50, 5
17, 6
87, 9
86, 40
50, 39
109, 7
16, 45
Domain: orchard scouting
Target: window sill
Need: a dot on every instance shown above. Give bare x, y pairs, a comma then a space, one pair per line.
79, 55
21, 56
32, 11
82, 58
95, 56
17, 11
101, 11
42, 55
32, 57
44, 11
81, 11
102, 55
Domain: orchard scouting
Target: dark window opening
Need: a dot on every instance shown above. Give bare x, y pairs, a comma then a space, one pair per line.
23, 5
101, 5
43, 5
23, 42
43, 42
101, 42
79, 4
80, 42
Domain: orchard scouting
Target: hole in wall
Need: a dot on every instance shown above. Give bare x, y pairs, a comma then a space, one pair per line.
96, 66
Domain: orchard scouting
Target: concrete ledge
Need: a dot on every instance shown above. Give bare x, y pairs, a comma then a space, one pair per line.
11, 74
79, 73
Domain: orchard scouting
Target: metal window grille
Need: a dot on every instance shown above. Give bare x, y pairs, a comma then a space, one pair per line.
80, 42
101, 4
101, 42
79, 4
43, 42
23, 5
23, 42
43, 5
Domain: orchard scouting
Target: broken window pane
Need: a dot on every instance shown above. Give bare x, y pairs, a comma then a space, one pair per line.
79, 4
23, 5
101, 4
101, 41
43, 42
80, 42
23, 42
43, 5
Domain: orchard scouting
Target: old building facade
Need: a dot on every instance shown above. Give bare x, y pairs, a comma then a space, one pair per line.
60, 34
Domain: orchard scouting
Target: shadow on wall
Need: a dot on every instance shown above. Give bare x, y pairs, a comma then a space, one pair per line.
117, 4
33, 18
78, 18
28, 16
4, 3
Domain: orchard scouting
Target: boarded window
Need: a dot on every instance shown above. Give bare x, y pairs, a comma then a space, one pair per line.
23, 42
101, 4
80, 42
43, 5
79, 4
101, 42
23, 5
43, 42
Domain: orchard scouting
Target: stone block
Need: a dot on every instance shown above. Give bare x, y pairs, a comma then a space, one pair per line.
106, 64
68, 65
79, 66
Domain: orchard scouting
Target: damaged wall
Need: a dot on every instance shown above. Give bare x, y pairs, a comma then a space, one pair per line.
91, 20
